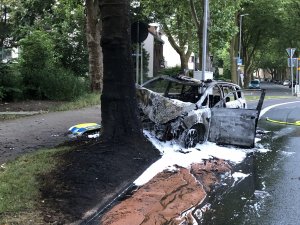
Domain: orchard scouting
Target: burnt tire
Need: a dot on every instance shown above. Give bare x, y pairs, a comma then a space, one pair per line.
194, 135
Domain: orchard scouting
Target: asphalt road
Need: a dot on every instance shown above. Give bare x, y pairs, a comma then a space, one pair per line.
272, 90
47, 130
281, 109
27, 134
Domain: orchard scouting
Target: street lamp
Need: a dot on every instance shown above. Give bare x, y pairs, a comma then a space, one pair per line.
240, 41
240, 46
204, 38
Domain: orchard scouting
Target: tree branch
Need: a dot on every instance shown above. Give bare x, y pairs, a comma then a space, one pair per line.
171, 39
194, 16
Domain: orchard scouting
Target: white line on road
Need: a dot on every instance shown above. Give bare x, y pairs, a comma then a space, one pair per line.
273, 106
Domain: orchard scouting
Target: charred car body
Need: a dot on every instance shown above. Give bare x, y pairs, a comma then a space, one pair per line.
193, 111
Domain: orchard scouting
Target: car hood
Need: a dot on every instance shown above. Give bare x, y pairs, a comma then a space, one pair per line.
160, 109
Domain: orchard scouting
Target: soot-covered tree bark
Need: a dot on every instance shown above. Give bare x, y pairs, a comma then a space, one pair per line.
118, 100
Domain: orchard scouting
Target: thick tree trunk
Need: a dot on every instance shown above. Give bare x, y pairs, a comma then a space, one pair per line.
93, 36
118, 100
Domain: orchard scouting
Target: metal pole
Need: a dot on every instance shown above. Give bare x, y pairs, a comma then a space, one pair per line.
298, 73
137, 54
142, 75
239, 53
204, 38
240, 39
240, 47
297, 78
292, 75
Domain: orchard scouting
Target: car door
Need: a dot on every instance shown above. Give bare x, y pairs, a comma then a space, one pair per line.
232, 126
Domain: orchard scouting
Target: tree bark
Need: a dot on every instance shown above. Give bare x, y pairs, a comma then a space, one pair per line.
180, 49
199, 27
118, 100
233, 47
93, 36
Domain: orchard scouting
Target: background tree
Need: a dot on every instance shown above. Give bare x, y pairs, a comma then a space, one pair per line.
259, 28
175, 23
93, 36
4, 25
67, 23
42, 73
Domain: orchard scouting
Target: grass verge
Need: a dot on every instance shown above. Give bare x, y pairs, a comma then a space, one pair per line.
10, 117
19, 186
253, 98
83, 101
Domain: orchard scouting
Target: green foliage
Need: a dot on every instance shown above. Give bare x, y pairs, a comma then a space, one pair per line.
37, 58
61, 84
67, 22
171, 71
10, 82
43, 75
266, 34
64, 19
175, 22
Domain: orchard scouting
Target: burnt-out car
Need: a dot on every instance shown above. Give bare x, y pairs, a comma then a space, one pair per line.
193, 111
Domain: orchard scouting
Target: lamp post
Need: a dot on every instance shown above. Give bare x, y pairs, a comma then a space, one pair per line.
204, 38
240, 47
240, 40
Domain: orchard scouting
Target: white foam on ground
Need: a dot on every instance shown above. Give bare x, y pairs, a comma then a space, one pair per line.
173, 154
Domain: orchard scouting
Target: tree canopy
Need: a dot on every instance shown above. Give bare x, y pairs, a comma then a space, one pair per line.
269, 28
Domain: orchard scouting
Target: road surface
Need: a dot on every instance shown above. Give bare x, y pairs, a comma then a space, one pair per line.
26, 134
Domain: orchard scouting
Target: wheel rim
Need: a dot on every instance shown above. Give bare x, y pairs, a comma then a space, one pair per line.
191, 138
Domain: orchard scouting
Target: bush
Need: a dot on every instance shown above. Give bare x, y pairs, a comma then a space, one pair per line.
36, 59
170, 71
10, 82
61, 84
44, 77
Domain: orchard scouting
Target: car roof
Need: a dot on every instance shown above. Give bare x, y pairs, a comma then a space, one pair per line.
182, 79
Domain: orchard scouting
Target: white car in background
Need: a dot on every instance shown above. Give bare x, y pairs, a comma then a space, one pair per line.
286, 83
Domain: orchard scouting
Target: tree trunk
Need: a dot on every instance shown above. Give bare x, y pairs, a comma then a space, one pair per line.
233, 54
118, 100
184, 61
184, 56
93, 36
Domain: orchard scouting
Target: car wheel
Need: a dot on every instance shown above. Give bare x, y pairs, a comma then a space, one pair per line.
193, 136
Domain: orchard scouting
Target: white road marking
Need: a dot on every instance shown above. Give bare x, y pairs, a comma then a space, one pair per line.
262, 112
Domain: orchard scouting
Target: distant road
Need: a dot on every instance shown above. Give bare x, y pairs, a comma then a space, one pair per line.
272, 90
286, 109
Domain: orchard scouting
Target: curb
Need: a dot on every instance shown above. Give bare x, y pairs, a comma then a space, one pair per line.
296, 123
24, 113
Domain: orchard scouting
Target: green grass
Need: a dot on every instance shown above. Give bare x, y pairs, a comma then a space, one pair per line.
252, 98
19, 186
82, 102
10, 117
